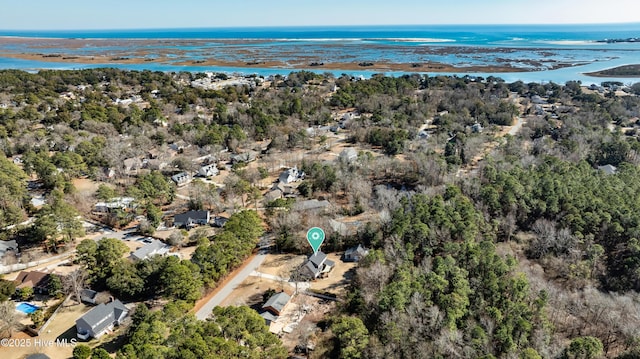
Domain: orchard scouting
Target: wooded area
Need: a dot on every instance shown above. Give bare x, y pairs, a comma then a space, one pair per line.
503, 219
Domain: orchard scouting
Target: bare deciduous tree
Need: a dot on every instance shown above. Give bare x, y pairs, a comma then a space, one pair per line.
8, 319
74, 283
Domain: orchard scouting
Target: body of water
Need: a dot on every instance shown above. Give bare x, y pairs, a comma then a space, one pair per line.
543, 53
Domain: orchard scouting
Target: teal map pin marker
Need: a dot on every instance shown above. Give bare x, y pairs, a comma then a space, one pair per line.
315, 237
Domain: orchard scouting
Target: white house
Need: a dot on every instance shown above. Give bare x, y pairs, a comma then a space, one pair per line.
155, 248
291, 175
122, 203
181, 179
208, 170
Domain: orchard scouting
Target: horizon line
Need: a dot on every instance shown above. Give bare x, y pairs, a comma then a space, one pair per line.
324, 26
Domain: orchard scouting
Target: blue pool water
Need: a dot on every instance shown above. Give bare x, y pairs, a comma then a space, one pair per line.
27, 308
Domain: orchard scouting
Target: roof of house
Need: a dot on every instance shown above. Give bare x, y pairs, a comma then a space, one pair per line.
356, 250
267, 315
155, 247
88, 293
95, 318
273, 195
244, 157
38, 356
32, 279
318, 258
191, 216
608, 169
5, 246
277, 301
220, 221
180, 177
313, 270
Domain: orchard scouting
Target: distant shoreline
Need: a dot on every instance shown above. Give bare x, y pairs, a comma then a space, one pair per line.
619, 71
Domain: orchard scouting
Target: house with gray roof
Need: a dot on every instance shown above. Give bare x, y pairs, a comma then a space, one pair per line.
88, 296
191, 219
6, 246
245, 157
208, 170
316, 266
101, 319
355, 254
154, 248
268, 317
181, 179
277, 303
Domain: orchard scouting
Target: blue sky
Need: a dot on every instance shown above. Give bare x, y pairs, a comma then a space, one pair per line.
132, 14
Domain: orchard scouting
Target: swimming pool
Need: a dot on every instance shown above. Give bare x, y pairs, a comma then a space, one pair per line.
27, 308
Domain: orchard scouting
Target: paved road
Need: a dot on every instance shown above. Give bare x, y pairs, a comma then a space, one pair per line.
225, 291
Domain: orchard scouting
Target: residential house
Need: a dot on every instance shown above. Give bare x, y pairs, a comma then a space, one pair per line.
608, 169
6, 246
316, 266
476, 128
248, 156
291, 175
155, 164
178, 147
154, 248
181, 179
349, 154
191, 219
276, 303
220, 221
131, 165
355, 254
121, 203
101, 319
39, 281
38, 356
272, 195
274, 307
88, 296
208, 170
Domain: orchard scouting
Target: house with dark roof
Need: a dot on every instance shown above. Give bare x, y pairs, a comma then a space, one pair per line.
39, 281
191, 219
88, 296
220, 221
355, 254
101, 319
154, 248
316, 266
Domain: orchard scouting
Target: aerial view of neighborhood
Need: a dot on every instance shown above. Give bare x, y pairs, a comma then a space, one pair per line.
340, 192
